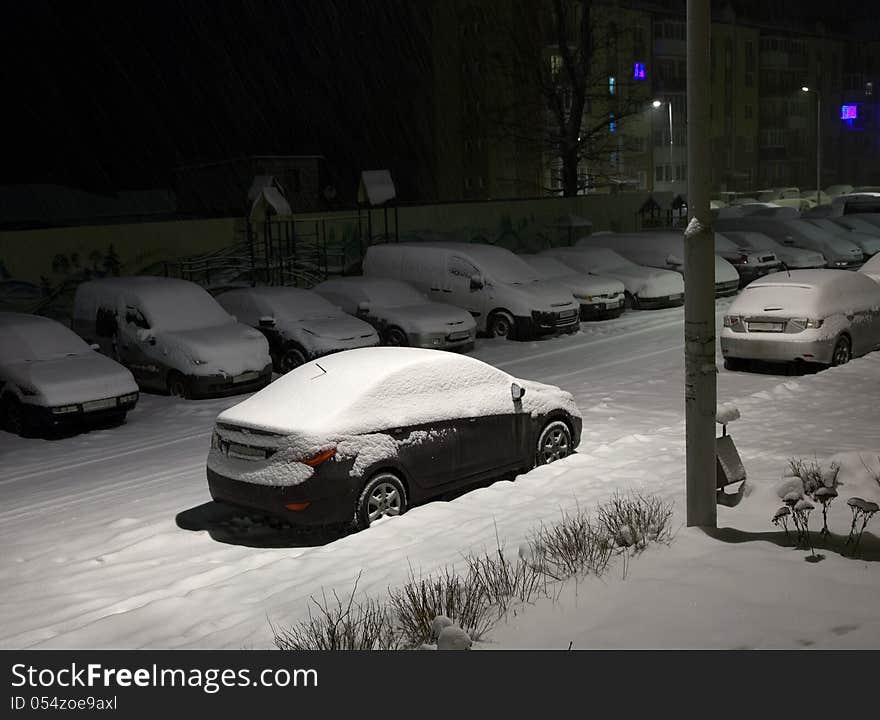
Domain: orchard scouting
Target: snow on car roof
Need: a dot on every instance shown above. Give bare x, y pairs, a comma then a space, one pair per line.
810, 291
817, 278
502, 263
26, 337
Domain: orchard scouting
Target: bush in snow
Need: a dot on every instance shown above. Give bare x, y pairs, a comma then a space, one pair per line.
635, 520
817, 483
781, 518
862, 510
339, 624
572, 546
422, 599
504, 581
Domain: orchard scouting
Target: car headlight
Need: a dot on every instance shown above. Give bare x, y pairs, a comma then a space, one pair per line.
64, 409
130, 397
215, 440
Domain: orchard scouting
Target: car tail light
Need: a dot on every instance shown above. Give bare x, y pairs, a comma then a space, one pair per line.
297, 506
806, 323
316, 460
734, 322
744, 259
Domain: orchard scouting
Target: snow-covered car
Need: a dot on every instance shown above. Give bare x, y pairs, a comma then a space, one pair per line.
750, 264
868, 223
661, 249
172, 335
300, 325
600, 297
645, 288
368, 433
867, 242
401, 314
872, 268
50, 378
794, 258
839, 253
814, 316
502, 292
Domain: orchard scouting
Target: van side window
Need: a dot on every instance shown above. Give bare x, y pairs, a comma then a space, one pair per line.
105, 322
135, 317
459, 267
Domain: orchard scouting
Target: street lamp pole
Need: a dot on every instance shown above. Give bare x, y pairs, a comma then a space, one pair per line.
657, 104
818, 140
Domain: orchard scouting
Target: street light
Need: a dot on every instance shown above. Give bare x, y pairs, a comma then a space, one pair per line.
656, 105
806, 89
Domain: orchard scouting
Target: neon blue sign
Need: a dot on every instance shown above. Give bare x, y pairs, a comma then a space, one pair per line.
639, 71
849, 112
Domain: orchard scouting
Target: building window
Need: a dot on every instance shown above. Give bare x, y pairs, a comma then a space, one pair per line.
555, 65
658, 173
869, 88
639, 71
612, 85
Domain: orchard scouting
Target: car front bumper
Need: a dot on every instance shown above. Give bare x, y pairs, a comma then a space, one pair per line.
204, 386
437, 341
661, 301
601, 310
39, 416
779, 347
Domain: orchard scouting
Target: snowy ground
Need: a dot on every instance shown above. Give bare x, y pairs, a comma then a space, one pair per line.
109, 538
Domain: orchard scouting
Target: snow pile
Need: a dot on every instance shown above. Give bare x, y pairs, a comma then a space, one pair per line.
872, 268
726, 413
283, 469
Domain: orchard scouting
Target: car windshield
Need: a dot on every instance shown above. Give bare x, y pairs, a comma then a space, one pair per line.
509, 269
808, 230
183, 308
302, 305
723, 244
859, 225
549, 268
766, 298
603, 258
26, 342
754, 241
830, 226
393, 294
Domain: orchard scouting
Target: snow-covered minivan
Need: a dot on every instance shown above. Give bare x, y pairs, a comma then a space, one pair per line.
172, 335
502, 292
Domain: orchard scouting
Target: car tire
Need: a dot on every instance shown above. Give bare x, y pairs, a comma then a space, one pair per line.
842, 351
291, 358
500, 325
554, 443
384, 495
631, 301
733, 363
12, 416
395, 337
177, 385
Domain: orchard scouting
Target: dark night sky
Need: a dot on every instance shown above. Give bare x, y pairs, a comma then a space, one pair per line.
113, 94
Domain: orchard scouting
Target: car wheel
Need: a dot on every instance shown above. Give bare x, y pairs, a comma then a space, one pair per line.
13, 416
630, 300
732, 363
291, 358
383, 496
395, 337
177, 385
842, 352
500, 325
554, 443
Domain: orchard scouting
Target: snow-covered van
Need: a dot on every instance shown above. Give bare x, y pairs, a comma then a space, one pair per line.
172, 335
50, 378
502, 292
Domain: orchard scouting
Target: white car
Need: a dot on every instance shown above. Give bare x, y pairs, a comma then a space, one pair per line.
364, 434
172, 335
662, 249
645, 287
872, 268
600, 297
300, 325
812, 316
400, 313
750, 264
50, 378
794, 258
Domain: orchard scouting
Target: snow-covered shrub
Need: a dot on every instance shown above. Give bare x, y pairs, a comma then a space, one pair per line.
460, 598
504, 581
862, 510
572, 546
635, 520
816, 482
781, 518
341, 624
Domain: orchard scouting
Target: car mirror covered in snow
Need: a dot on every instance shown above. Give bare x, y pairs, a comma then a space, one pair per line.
363, 307
674, 261
477, 282
146, 336
95, 347
267, 322
517, 392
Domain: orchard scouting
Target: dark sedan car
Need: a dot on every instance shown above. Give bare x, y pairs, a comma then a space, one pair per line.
364, 434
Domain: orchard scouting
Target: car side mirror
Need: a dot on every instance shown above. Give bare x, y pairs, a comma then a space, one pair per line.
95, 347
146, 336
517, 392
267, 322
363, 307
674, 261
477, 282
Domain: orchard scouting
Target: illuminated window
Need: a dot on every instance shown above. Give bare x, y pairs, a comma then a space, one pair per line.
612, 125
555, 64
612, 84
849, 112
639, 71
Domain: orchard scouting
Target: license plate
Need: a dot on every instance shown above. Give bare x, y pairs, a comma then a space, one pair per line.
765, 326
245, 452
99, 404
246, 377
459, 335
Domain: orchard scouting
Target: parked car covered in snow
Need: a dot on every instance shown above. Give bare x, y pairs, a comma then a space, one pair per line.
661, 249
872, 268
815, 316
300, 325
792, 257
172, 335
839, 252
600, 297
750, 264
367, 433
645, 287
50, 378
400, 313
502, 292
867, 242
868, 223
